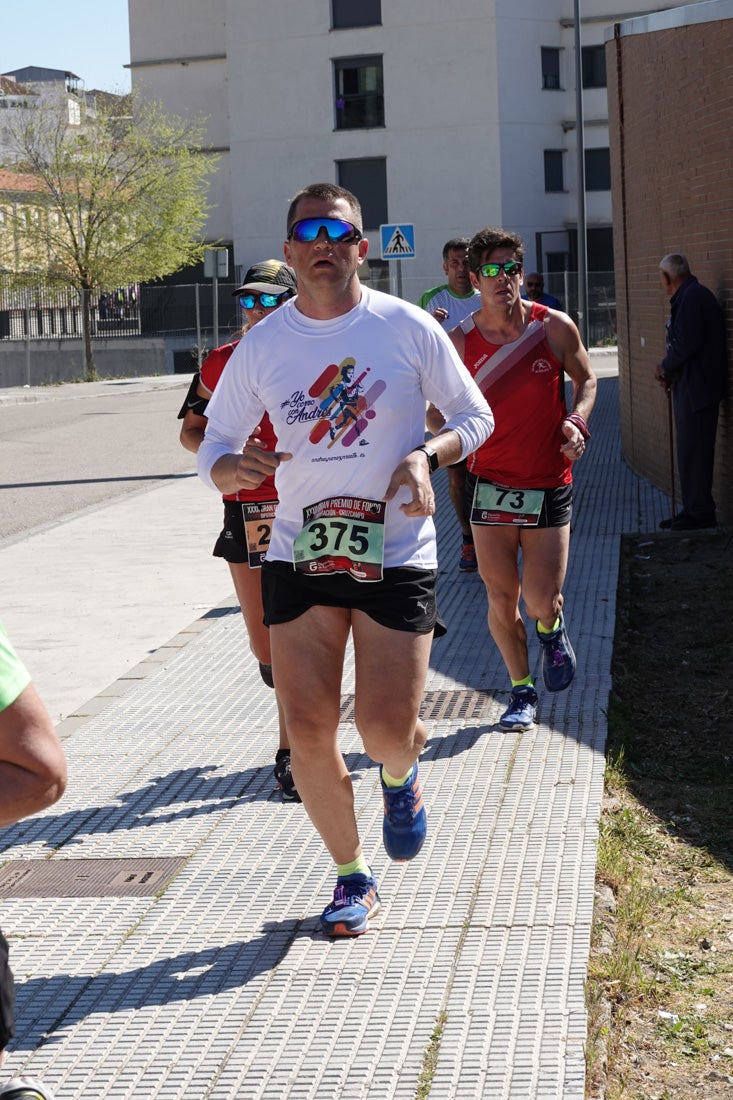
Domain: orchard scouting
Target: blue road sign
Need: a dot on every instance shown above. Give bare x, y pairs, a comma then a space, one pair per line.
398, 242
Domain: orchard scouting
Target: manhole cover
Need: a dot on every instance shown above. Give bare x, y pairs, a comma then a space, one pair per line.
86, 878
465, 704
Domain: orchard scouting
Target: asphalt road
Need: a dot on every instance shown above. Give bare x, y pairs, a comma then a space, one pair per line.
67, 448
105, 532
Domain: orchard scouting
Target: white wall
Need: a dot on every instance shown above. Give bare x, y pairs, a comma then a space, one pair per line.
180, 31
466, 118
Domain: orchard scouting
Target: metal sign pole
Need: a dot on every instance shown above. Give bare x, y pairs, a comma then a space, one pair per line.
198, 327
216, 265
398, 243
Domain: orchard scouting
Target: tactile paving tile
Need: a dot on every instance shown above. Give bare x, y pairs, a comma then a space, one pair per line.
222, 986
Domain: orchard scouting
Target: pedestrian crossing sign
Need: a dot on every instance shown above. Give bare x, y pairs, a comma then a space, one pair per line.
398, 242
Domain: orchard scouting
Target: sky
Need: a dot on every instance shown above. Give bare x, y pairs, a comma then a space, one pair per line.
90, 38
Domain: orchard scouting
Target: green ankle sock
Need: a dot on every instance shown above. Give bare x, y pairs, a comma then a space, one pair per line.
358, 866
526, 682
543, 630
390, 781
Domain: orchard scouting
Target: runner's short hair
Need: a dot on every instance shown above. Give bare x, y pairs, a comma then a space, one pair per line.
486, 240
454, 243
326, 192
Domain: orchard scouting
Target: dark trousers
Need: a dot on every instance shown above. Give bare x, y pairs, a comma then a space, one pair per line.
7, 996
695, 432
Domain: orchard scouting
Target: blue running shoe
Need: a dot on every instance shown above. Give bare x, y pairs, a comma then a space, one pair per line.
25, 1088
354, 899
467, 562
558, 659
405, 821
521, 714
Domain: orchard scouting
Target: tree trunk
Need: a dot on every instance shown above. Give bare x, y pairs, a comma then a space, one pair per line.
86, 321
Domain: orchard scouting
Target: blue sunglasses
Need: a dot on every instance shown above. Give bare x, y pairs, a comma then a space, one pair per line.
306, 230
267, 301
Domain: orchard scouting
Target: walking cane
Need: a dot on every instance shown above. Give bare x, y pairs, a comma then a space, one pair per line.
671, 446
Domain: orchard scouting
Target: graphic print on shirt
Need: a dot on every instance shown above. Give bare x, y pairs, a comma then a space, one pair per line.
345, 404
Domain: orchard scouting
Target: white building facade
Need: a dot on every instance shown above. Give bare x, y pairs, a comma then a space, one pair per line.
445, 116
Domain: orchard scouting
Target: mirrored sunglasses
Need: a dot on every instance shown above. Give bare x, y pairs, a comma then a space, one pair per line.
306, 230
510, 269
267, 301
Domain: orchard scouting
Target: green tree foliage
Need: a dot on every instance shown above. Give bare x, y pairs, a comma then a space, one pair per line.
123, 196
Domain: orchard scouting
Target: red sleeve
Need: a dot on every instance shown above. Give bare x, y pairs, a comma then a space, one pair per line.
213, 365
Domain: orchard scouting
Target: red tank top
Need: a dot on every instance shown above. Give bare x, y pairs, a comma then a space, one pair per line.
211, 371
524, 384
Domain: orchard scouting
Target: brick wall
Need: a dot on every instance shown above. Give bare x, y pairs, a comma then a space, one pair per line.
670, 99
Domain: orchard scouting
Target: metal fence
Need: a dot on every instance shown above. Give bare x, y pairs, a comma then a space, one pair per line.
197, 310
41, 312
601, 302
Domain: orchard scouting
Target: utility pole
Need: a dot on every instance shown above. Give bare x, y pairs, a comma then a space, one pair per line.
580, 147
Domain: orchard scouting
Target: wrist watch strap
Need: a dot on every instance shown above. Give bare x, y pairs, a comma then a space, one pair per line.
430, 454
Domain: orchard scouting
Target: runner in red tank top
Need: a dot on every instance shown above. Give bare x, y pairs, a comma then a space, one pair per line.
247, 513
519, 487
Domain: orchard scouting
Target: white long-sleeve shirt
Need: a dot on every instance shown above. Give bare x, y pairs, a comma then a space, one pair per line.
346, 398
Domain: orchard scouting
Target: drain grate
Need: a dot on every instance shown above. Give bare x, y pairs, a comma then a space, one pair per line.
86, 878
465, 704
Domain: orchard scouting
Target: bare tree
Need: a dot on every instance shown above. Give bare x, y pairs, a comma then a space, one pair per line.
122, 197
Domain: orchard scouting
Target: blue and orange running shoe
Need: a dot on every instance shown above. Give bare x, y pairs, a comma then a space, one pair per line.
354, 900
405, 821
467, 561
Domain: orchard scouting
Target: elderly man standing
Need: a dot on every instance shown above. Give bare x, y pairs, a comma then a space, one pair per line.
353, 545
694, 369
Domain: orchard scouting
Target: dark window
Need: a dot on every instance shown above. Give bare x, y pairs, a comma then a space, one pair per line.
599, 246
556, 261
597, 170
359, 92
355, 13
550, 67
367, 178
554, 170
594, 66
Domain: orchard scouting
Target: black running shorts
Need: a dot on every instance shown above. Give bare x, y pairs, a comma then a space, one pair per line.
403, 600
232, 542
557, 508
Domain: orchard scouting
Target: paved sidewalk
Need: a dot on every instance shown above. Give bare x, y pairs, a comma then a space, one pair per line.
186, 960
71, 391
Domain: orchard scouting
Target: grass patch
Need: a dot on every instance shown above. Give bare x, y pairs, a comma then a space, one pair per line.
661, 969
430, 1058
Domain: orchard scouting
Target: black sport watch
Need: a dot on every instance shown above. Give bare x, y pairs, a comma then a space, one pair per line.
432, 457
